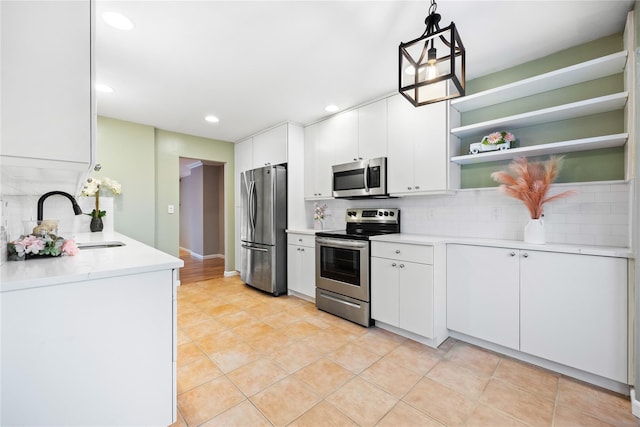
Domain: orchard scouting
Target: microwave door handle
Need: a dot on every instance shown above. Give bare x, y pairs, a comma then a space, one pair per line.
366, 177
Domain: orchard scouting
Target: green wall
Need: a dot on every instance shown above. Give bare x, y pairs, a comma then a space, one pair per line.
145, 160
596, 165
170, 146
126, 153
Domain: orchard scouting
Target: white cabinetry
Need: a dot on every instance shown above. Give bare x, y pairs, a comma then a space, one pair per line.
301, 266
566, 308
342, 130
270, 147
48, 115
402, 286
372, 130
90, 352
419, 148
573, 310
318, 159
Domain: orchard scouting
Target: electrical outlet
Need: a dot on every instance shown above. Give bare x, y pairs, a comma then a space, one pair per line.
171, 209
496, 213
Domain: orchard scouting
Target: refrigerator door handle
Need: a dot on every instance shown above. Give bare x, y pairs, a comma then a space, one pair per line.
253, 205
250, 203
251, 248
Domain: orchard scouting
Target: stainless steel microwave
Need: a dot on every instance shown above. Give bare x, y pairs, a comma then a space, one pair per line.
365, 178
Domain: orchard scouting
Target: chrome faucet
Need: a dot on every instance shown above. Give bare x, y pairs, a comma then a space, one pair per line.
76, 208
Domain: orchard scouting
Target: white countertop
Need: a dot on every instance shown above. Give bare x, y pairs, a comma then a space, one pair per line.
135, 257
419, 239
307, 231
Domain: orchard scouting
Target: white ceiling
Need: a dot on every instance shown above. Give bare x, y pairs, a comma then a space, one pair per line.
254, 64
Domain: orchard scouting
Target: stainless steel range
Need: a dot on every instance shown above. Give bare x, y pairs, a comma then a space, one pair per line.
342, 263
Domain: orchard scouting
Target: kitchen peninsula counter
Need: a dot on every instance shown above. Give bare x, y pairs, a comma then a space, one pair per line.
132, 258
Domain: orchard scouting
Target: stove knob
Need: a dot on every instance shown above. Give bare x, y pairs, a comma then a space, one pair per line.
391, 213
386, 213
379, 213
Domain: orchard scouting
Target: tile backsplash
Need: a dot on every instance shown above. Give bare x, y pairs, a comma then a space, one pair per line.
597, 214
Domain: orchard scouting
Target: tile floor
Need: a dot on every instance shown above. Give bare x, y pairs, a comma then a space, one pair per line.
248, 359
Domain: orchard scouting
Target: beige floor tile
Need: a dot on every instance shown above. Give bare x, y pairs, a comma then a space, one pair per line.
285, 401
242, 415
362, 401
326, 340
323, 376
180, 422
518, 403
203, 329
253, 330
235, 356
480, 361
183, 338
379, 341
352, 328
256, 376
391, 377
270, 342
191, 318
208, 400
439, 402
605, 406
417, 361
188, 353
484, 416
314, 320
280, 319
262, 310
536, 381
458, 378
222, 310
218, 341
306, 310
570, 417
323, 415
196, 373
300, 329
353, 357
295, 356
404, 415
236, 319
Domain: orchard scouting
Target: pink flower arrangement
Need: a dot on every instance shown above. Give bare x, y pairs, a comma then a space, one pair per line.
36, 246
498, 138
530, 182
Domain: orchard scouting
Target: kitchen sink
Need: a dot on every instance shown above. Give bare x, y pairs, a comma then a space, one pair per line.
99, 245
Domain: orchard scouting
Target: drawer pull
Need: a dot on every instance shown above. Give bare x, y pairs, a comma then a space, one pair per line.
393, 265
526, 255
401, 265
397, 251
512, 254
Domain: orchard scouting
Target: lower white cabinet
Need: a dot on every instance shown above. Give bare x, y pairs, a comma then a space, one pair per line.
301, 264
402, 286
566, 308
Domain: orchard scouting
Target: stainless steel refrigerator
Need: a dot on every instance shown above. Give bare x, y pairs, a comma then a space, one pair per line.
263, 246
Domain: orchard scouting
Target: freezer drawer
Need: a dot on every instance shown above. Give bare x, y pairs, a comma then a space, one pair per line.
260, 268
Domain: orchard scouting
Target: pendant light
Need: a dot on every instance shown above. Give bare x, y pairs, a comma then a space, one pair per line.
432, 67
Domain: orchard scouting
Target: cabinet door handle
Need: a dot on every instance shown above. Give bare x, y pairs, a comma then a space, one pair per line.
512, 254
299, 240
355, 159
408, 188
526, 255
417, 187
393, 265
301, 249
401, 265
397, 251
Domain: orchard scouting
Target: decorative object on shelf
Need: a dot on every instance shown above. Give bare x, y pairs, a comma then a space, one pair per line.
529, 183
432, 67
43, 246
93, 187
318, 215
492, 142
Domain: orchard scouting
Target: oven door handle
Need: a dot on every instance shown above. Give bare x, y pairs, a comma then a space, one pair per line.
342, 243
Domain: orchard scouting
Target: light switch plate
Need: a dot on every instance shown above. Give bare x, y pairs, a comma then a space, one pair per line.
170, 209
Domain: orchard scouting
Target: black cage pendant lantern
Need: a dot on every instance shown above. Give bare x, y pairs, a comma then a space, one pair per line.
432, 67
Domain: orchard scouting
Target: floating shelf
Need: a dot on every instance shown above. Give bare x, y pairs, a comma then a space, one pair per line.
594, 143
587, 107
578, 73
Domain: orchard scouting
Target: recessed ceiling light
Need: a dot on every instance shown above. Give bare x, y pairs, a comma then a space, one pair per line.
331, 108
212, 119
117, 20
103, 88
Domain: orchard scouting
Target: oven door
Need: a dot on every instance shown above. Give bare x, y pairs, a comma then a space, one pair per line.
342, 266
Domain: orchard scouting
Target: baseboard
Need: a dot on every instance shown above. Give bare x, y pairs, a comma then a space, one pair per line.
196, 255
635, 405
231, 273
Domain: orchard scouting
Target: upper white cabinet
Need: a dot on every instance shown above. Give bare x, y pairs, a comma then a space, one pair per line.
270, 147
574, 74
341, 132
48, 114
318, 159
372, 130
567, 308
419, 146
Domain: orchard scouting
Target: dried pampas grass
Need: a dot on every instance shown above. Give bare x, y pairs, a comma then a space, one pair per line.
530, 182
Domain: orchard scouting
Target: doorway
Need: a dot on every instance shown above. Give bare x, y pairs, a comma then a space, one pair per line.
201, 213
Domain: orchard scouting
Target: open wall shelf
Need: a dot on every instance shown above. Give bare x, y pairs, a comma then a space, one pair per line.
574, 74
594, 143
